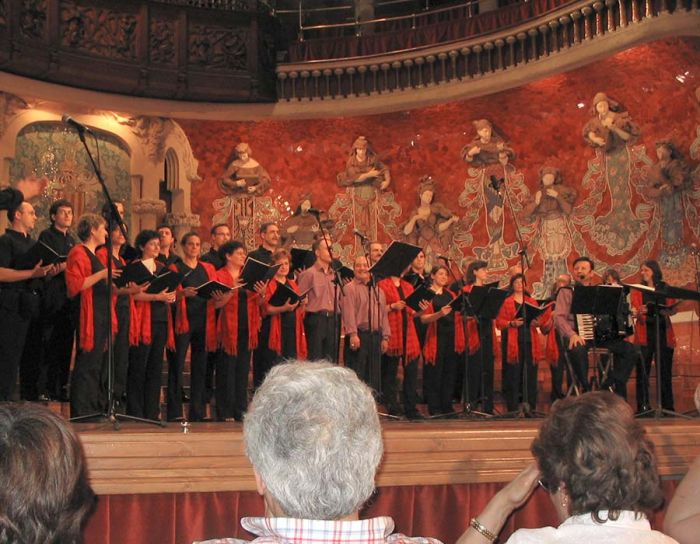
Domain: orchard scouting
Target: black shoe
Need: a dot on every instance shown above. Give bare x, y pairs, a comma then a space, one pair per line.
414, 416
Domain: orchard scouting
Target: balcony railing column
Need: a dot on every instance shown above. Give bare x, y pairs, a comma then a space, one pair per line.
598, 7
553, 25
327, 73
533, 43
510, 60
544, 29
575, 16
338, 81
522, 39
316, 74
420, 61
499, 54
408, 63
586, 12
464, 51
453, 62
362, 70
293, 82
565, 22
477, 50
635, 11
281, 77
623, 12
663, 5
488, 49
396, 65
351, 71
385, 71
648, 9
430, 59
442, 57
610, 14
305, 82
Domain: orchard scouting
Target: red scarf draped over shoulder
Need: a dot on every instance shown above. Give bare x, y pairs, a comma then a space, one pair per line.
430, 348
133, 316
78, 268
182, 324
274, 341
473, 328
551, 352
143, 333
507, 314
396, 340
227, 327
640, 325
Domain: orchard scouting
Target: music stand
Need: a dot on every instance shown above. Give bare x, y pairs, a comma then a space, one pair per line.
482, 302
658, 305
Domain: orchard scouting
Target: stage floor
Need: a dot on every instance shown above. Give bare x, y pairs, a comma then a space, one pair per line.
142, 458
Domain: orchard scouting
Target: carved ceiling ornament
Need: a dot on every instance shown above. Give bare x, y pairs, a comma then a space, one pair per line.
10, 106
32, 21
215, 47
104, 32
154, 133
162, 42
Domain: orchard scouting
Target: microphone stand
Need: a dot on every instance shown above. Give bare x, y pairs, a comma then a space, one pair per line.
336, 265
111, 415
525, 409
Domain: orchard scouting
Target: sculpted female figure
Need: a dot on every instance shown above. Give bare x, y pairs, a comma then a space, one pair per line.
552, 204
301, 228
430, 223
487, 147
611, 127
244, 175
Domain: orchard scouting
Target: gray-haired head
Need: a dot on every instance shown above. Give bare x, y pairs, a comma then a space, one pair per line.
313, 435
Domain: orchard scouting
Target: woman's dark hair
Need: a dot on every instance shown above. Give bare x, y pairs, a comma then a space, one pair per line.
144, 237
229, 247
611, 273
280, 254
594, 446
470, 276
518, 276
45, 496
657, 276
88, 221
187, 236
435, 269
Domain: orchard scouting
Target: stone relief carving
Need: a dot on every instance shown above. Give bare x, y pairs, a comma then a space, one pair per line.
153, 132
146, 206
103, 32
190, 220
215, 47
32, 21
10, 105
162, 42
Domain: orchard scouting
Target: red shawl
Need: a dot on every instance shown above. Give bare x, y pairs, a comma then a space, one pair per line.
133, 317
274, 341
430, 348
640, 325
142, 334
182, 324
551, 353
473, 329
78, 268
391, 292
508, 314
227, 327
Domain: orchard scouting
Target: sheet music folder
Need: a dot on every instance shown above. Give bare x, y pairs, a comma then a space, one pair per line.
207, 289
397, 258
43, 252
597, 299
168, 281
135, 272
285, 293
530, 312
423, 292
255, 271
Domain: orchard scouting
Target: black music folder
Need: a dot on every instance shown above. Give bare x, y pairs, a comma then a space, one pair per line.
477, 297
129, 253
395, 260
255, 271
136, 272
346, 273
43, 252
301, 259
207, 289
285, 293
530, 312
168, 280
423, 292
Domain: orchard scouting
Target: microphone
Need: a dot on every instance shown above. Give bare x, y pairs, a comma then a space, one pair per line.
68, 120
360, 235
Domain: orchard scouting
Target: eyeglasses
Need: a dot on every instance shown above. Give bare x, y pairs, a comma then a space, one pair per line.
548, 487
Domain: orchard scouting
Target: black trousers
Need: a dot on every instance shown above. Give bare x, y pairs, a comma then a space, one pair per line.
195, 340
664, 370
121, 353
515, 381
625, 358
480, 369
144, 375
13, 330
86, 393
390, 367
232, 383
367, 360
439, 379
263, 358
322, 337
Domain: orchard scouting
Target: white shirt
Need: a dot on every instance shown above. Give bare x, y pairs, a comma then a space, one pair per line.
584, 529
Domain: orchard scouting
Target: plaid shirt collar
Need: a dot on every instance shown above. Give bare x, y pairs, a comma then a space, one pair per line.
291, 530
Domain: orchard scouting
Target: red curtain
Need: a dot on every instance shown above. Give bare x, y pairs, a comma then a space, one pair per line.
441, 511
398, 35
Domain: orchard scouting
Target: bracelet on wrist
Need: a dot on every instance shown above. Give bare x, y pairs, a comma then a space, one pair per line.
483, 531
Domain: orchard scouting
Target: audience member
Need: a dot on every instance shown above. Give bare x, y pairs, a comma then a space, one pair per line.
682, 520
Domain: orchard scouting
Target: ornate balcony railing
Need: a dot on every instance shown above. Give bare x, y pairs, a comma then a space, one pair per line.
570, 29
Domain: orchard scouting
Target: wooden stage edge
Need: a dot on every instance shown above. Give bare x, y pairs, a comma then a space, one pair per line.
210, 457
